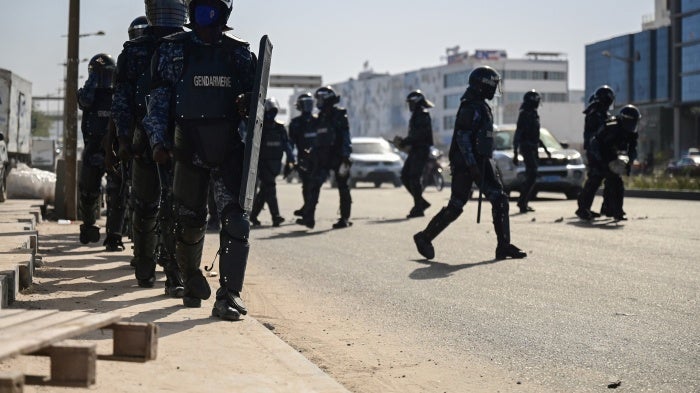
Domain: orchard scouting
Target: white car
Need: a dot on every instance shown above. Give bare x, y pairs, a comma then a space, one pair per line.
374, 160
563, 172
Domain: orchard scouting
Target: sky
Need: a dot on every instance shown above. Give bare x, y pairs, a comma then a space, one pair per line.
332, 38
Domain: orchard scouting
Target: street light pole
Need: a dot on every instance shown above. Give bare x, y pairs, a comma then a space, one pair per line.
630, 70
70, 113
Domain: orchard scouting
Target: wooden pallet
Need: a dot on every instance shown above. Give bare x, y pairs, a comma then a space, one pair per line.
45, 333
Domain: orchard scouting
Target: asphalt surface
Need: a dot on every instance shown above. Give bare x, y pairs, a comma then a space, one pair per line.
594, 303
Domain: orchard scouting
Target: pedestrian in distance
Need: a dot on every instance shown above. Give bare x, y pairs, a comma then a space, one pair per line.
94, 99
527, 142
198, 77
471, 162
597, 115
417, 143
613, 149
302, 135
274, 143
331, 152
151, 182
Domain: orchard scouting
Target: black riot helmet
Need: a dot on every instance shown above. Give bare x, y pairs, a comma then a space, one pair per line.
416, 99
137, 27
604, 95
531, 99
628, 118
272, 107
485, 81
305, 103
101, 67
326, 97
166, 13
205, 16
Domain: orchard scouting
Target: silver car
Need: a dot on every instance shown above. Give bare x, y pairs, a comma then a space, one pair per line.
563, 172
376, 161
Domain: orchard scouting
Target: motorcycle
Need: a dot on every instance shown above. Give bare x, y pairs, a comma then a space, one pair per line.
433, 171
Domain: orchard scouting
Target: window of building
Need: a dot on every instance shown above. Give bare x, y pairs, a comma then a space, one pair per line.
451, 101
456, 79
448, 122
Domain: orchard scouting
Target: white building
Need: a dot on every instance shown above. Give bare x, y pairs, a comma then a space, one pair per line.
376, 102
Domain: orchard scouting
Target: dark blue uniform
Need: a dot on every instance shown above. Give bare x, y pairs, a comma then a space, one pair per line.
419, 140
526, 142
195, 85
302, 135
332, 148
274, 142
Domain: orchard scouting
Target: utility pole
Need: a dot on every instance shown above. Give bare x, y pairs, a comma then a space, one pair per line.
70, 113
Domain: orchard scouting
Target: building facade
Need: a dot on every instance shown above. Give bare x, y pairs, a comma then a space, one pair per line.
658, 70
376, 103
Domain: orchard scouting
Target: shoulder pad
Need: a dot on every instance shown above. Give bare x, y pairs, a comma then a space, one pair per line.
278, 123
177, 37
611, 122
232, 39
341, 111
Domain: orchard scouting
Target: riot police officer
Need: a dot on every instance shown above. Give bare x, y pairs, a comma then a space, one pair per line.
274, 142
302, 134
94, 99
527, 142
618, 135
198, 76
418, 143
150, 196
118, 172
597, 115
471, 161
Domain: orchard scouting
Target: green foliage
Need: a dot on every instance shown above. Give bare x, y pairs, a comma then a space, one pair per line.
662, 182
40, 124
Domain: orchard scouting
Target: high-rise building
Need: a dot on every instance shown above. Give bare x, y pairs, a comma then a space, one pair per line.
658, 70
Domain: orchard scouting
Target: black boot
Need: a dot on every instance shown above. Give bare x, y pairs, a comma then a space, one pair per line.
196, 289
424, 246
509, 251
342, 223
113, 243
436, 225
89, 234
277, 221
228, 306
174, 285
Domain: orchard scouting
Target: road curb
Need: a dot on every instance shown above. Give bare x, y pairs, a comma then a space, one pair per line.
661, 194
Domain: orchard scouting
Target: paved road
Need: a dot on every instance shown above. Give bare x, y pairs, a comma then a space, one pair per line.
592, 304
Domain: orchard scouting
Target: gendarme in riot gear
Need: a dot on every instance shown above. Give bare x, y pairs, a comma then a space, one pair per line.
151, 212
331, 152
613, 149
471, 162
527, 142
95, 100
198, 76
273, 144
418, 143
302, 134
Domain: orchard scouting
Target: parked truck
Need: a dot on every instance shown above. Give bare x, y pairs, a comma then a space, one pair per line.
15, 123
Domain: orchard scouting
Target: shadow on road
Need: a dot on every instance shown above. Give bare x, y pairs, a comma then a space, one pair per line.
606, 223
295, 234
442, 270
387, 221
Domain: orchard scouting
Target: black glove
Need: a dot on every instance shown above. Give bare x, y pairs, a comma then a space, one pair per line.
628, 169
515, 157
243, 104
288, 169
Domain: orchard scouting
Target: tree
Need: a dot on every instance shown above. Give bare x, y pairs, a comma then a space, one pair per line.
40, 124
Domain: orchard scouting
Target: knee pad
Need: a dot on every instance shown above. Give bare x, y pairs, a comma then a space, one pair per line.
236, 226
143, 208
